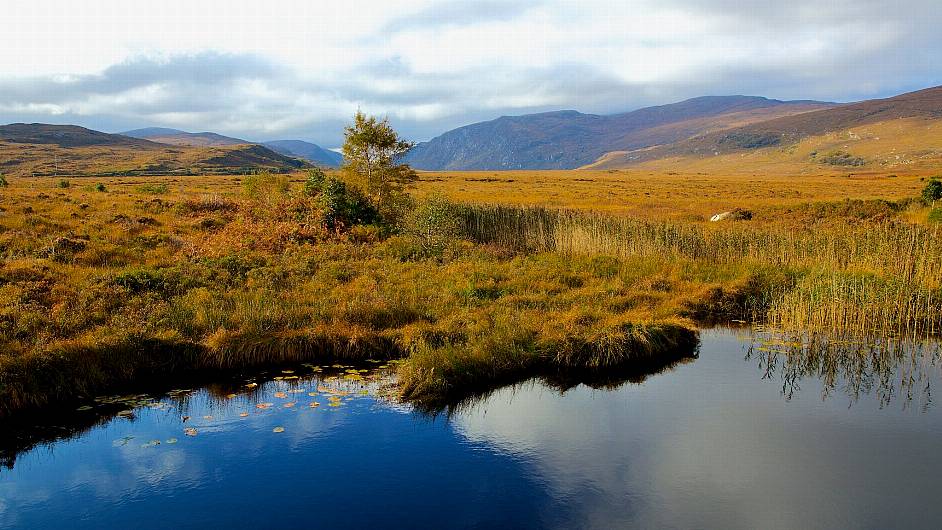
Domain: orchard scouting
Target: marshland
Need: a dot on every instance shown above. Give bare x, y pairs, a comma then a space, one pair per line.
107, 281
146, 317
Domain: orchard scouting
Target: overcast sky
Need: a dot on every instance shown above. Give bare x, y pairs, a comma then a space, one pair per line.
300, 68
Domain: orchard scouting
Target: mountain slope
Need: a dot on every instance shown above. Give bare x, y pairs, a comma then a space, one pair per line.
306, 151
66, 136
178, 137
914, 109
570, 139
40, 149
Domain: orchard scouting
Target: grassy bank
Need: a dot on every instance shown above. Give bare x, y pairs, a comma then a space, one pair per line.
107, 285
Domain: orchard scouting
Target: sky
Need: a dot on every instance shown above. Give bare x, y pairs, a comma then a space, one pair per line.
286, 69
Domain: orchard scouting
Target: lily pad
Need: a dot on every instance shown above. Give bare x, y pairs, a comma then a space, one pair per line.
278, 429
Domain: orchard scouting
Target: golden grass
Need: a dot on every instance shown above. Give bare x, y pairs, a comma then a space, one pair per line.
157, 275
681, 195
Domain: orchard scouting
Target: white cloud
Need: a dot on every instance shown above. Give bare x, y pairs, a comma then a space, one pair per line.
299, 68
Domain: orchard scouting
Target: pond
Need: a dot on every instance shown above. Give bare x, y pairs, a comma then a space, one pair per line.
742, 436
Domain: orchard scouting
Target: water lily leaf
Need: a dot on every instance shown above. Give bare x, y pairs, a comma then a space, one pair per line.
208, 418
289, 405
243, 414
171, 441
83, 408
251, 385
190, 431
230, 396
314, 405
278, 429
281, 395
312, 394
289, 372
264, 406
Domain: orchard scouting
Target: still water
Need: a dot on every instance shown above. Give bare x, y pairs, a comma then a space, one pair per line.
743, 436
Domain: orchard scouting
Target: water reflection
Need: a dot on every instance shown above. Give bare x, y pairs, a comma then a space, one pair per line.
707, 443
888, 368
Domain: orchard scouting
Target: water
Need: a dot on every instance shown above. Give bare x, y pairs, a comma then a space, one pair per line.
741, 437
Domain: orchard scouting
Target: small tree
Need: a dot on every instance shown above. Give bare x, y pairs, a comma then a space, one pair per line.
437, 225
372, 151
933, 190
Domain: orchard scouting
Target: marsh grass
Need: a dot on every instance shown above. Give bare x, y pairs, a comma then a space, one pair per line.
221, 274
882, 277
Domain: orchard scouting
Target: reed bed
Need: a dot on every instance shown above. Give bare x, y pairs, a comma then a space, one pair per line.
881, 278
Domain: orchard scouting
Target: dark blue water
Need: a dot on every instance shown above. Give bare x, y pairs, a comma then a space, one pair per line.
738, 438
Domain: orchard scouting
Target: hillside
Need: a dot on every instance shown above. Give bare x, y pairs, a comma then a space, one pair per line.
178, 137
40, 149
306, 151
881, 133
570, 139
67, 136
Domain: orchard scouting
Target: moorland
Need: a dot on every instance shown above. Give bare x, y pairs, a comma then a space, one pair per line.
472, 279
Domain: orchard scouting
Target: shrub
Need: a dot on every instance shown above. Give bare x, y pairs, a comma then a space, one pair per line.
315, 181
265, 186
933, 190
3, 181
842, 158
436, 223
745, 140
100, 187
935, 216
340, 206
63, 184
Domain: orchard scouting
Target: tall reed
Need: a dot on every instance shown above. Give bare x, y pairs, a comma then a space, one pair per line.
871, 277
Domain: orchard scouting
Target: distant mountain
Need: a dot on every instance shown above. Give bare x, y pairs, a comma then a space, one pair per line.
40, 149
924, 104
570, 139
178, 137
901, 134
306, 151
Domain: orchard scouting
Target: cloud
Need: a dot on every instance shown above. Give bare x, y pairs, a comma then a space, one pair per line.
301, 70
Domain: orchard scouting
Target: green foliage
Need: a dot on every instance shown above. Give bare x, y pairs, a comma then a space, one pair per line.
265, 186
935, 216
100, 187
436, 223
315, 181
933, 190
372, 150
3, 181
64, 184
842, 158
745, 140
343, 207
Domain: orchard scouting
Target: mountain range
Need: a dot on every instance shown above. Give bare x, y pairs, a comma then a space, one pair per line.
569, 139
41, 149
727, 134
312, 153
